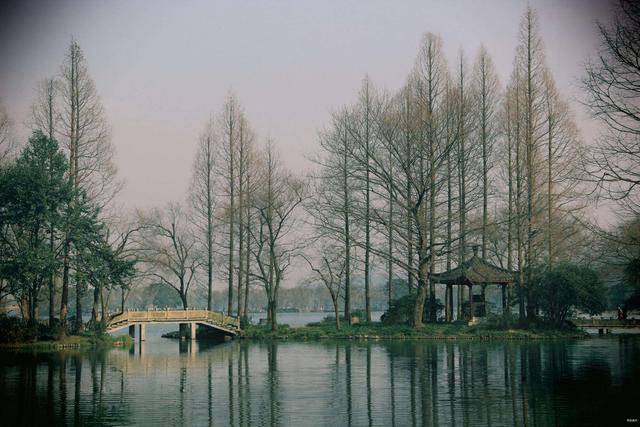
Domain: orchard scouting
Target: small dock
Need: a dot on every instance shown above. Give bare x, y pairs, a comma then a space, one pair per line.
608, 326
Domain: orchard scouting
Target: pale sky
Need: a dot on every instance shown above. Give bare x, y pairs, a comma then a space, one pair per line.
162, 67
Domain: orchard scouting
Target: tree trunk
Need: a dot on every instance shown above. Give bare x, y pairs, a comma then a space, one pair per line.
52, 288
209, 254
231, 213
79, 293
367, 245
423, 282
336, 311
421, 296
347, 234
432, 229
390, 236
64, 296
274, 310
96, 304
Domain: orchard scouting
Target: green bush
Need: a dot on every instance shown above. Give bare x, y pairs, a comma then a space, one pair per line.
15, 330
499, 322
401, 310
568, 287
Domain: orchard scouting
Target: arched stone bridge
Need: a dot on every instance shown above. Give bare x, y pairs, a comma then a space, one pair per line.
227, 325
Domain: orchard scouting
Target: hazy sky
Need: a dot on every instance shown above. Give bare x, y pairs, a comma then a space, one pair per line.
162, 67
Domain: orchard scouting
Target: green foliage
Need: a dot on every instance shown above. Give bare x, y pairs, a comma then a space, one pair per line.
567, 287
401, 310
18, 332
38, 215
14, 330
34, 194
245, 322
632, 282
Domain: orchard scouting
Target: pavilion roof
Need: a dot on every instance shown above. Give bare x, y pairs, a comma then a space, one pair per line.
475, 271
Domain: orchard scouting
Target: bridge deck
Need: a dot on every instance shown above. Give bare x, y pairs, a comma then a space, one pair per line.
228, 324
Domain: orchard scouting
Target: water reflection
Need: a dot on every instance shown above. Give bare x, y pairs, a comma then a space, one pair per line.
327, 383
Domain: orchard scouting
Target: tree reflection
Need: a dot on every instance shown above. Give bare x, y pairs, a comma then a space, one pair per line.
414, 383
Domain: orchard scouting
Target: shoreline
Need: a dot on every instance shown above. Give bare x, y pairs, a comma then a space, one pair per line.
72, 342
428, 332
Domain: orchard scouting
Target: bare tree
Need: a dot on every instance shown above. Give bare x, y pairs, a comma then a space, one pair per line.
229, 134
331, 205
531, 72
7, 143
84, 131
328, 267
45, 118
486, 94
203, 199
169, 249
612, 83
564, 157
273, 249
7, 148
417, 159
361, 129
245, 156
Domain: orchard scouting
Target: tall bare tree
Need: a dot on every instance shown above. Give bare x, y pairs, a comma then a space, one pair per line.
84, 132
244, 156
229, 134
486, 97
361, 130
331, 205
275, 204
203, 199
45, 118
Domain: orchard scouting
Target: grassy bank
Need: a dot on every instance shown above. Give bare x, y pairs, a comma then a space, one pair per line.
16, 333
72, 342
374, 331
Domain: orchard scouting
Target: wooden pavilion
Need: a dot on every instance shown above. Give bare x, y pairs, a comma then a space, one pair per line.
475, 272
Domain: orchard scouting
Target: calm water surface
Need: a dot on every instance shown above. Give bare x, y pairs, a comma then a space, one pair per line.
385, 383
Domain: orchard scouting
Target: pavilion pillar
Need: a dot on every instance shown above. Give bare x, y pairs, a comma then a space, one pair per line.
193, 330
484, 298
449, 303
504, 298
143, 332
472, 306
132, 331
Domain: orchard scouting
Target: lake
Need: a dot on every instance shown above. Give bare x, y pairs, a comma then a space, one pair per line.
384, 383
